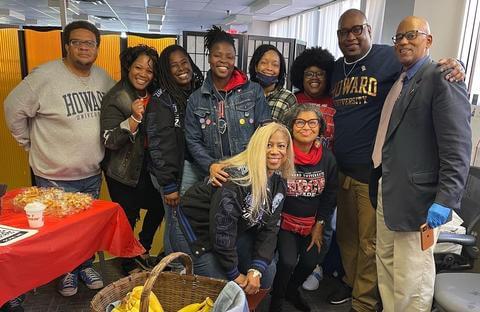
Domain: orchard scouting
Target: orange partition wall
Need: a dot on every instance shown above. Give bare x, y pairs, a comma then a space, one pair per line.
14, 170
157, 43
109, 55
42, 46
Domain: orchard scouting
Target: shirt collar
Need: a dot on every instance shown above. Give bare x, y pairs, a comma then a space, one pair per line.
415, 67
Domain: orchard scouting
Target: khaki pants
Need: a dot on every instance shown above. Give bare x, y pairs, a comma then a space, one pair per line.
356, 239
406, 274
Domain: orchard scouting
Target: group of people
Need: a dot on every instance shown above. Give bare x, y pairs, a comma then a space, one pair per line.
243, 168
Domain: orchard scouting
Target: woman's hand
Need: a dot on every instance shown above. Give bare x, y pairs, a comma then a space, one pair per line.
253, 283
172, 199
317, 236
217, 175
457, 71
138, 109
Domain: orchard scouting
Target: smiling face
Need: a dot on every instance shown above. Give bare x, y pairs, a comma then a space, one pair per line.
222, 60
314, 81
140, 72
269, 64
180, 68
82, 56
410, 51
276, 151
306, 134
353, 46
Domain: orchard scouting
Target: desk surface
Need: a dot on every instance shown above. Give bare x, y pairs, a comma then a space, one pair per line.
61, 245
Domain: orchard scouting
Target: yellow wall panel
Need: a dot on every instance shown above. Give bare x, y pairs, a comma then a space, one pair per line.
109, 55
42, 46
159, 44
14, 170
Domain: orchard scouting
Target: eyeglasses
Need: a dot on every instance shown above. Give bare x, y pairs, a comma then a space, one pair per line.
410, 35
310, 75
77, 43
312, 123
355, 30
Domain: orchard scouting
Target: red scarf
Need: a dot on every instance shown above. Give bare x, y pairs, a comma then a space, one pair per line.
310, 158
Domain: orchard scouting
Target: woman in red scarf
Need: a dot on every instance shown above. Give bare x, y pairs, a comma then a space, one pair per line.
310, 201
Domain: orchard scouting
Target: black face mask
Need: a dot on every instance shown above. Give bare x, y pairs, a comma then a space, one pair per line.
265, 80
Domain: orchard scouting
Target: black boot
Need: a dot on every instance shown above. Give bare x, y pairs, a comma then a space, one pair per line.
276, 304
298, 301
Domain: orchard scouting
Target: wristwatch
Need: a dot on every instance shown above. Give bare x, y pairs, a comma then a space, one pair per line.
321, 222
256, 273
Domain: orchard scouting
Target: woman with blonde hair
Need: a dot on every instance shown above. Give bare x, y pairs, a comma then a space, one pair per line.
231, 231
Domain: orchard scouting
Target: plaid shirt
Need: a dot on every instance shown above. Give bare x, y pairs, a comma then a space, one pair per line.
280, 101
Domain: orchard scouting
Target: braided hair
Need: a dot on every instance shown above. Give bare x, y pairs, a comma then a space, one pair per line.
315, 56
167, 82
215, 35
129, 56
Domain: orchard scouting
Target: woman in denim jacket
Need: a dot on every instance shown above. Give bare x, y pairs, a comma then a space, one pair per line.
223, 114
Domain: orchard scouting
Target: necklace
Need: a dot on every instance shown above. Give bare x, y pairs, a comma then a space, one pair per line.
83, 80
142, 97
354, 63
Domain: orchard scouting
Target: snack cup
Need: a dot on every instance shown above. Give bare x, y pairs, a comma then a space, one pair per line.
35, 214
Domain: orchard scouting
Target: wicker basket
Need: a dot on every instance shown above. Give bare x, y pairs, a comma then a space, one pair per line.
174, 291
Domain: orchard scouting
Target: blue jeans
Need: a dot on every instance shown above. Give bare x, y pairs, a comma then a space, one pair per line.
208, 264
190, 176
89, 185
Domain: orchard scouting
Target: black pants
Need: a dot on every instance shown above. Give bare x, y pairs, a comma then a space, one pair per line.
291, 247
132, 199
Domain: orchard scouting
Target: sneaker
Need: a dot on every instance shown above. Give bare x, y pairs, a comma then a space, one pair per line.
68, 285
313, 280
91, 278
341, 295
298, 301
146, 262
14, 305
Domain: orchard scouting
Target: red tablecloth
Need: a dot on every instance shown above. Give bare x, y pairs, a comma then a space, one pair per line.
61, 245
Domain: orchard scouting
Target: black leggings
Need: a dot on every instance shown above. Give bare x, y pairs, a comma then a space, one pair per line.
145, 196
290, 247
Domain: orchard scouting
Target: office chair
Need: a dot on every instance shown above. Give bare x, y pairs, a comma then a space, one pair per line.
460, 291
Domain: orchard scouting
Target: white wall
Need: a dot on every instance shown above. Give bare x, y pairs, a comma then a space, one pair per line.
446, 21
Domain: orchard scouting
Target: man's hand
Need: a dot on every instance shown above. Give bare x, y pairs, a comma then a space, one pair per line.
317, 236
437, 215
172, 199
217, 175
457, 72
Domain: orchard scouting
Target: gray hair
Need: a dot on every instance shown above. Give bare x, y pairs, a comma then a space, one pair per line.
295, 110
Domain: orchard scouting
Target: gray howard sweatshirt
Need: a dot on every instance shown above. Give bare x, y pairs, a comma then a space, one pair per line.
55, 115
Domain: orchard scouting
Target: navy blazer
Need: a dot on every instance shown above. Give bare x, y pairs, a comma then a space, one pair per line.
426, 155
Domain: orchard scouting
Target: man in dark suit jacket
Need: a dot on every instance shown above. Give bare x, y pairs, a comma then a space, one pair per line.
423, 154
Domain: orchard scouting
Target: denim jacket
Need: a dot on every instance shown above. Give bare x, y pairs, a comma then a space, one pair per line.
245, 109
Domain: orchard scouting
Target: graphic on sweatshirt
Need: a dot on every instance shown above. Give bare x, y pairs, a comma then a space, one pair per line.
354, 90
83, 105
307, 184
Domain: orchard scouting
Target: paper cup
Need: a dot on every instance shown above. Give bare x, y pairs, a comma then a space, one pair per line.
34, 213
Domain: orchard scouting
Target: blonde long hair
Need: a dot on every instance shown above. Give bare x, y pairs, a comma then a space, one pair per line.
255, 159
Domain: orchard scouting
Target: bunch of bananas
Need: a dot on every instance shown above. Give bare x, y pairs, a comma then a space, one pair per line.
131, 302
205, 306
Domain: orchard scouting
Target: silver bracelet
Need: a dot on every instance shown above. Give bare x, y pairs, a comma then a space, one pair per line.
135, 119
255, 273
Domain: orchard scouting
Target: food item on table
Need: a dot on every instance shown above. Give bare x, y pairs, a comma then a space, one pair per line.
58, 203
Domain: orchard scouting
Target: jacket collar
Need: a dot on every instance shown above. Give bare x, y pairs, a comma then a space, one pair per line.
238, 79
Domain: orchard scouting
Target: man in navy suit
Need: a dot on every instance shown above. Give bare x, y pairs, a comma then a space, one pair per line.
423, 156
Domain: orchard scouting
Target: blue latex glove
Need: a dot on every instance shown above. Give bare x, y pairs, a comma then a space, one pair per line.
437, 215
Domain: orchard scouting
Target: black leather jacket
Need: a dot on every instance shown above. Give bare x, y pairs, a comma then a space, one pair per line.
124, 151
